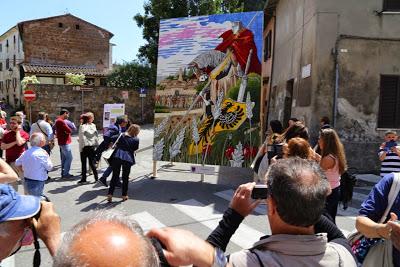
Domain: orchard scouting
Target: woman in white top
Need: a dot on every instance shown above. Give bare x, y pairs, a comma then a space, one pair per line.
88, 141
333, 162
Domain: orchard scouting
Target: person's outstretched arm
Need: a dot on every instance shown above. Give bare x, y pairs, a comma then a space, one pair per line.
241, 205
7, 174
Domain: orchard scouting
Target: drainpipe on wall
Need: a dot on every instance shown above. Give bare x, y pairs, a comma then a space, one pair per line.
336, 90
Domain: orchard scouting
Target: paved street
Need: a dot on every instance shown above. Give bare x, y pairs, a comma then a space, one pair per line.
176, 198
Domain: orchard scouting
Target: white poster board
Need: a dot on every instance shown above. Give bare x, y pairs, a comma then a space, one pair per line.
111, 112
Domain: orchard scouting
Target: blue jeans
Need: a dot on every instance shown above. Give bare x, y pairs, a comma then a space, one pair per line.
33, 187
66, 159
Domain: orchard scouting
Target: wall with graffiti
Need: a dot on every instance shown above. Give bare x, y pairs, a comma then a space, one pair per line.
208, 89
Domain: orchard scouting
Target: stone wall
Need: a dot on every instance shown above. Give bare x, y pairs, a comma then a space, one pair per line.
52, 98
65, 40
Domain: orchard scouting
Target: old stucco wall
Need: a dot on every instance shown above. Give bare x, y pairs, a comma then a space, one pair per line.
51, 98
361, 18
294, 48
361, 62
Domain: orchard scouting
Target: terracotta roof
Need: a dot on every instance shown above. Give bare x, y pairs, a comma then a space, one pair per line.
60, 69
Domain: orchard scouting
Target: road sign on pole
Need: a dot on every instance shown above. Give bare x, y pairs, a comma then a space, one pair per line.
29, 95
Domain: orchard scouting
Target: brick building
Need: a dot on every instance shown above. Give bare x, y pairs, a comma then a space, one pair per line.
49, 48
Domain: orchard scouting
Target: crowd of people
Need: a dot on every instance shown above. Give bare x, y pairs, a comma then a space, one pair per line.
32, 162
303, 190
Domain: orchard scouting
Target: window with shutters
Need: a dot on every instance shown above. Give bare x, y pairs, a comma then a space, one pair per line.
389, 102
391, 5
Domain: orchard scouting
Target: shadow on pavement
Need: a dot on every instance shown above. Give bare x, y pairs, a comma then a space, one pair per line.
102, 205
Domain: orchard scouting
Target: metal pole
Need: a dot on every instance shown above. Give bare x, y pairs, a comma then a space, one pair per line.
81, 100
30, 113
142, 108
154, 169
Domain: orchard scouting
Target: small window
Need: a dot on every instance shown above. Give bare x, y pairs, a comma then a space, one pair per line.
14, 60
60, 25
391, 5
103, 82
389, 102
1, 48
7, 64
268, 46
1, 66
6, 43
90, 81
77, 26
14, 40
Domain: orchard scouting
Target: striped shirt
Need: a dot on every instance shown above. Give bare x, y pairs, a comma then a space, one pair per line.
391, 163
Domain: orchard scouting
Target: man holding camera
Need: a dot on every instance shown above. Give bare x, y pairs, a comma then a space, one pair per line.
23, 219
389, 154
301, 236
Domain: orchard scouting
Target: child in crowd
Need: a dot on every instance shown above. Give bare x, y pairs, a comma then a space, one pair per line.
389, 154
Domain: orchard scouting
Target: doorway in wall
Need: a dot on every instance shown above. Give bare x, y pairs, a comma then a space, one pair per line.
287, 111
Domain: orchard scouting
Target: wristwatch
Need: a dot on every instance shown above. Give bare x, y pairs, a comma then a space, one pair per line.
219, 258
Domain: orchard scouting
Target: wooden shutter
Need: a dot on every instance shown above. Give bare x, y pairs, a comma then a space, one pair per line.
389, 103
391, 5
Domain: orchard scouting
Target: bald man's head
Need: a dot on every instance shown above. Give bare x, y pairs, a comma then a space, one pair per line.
106, 239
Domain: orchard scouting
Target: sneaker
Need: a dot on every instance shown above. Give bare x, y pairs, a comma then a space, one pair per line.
82, 182
67, 176
103, 182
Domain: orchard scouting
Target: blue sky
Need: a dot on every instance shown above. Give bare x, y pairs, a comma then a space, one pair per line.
115, 16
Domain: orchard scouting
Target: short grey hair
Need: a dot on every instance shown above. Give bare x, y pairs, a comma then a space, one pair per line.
36, 139
65, 258
299, 188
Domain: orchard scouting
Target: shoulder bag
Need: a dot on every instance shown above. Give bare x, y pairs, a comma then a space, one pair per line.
107, 155
380, 251
50, 142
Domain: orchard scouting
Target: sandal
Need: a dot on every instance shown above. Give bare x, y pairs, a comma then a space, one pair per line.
124, 198
109, 198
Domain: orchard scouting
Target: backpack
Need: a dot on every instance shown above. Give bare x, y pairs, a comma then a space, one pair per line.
347, 183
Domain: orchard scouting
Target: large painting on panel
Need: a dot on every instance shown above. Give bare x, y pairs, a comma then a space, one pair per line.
208, 89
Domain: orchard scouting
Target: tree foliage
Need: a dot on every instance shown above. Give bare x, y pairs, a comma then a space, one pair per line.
155, 10
133, 75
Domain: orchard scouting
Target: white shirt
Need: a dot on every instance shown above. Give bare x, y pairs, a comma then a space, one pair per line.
45, 127
36, 163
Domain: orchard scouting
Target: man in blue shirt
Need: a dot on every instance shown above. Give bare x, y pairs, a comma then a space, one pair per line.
35, 163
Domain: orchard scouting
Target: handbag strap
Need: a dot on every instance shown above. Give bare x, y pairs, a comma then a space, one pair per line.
115, 144
394, 191
40, 128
